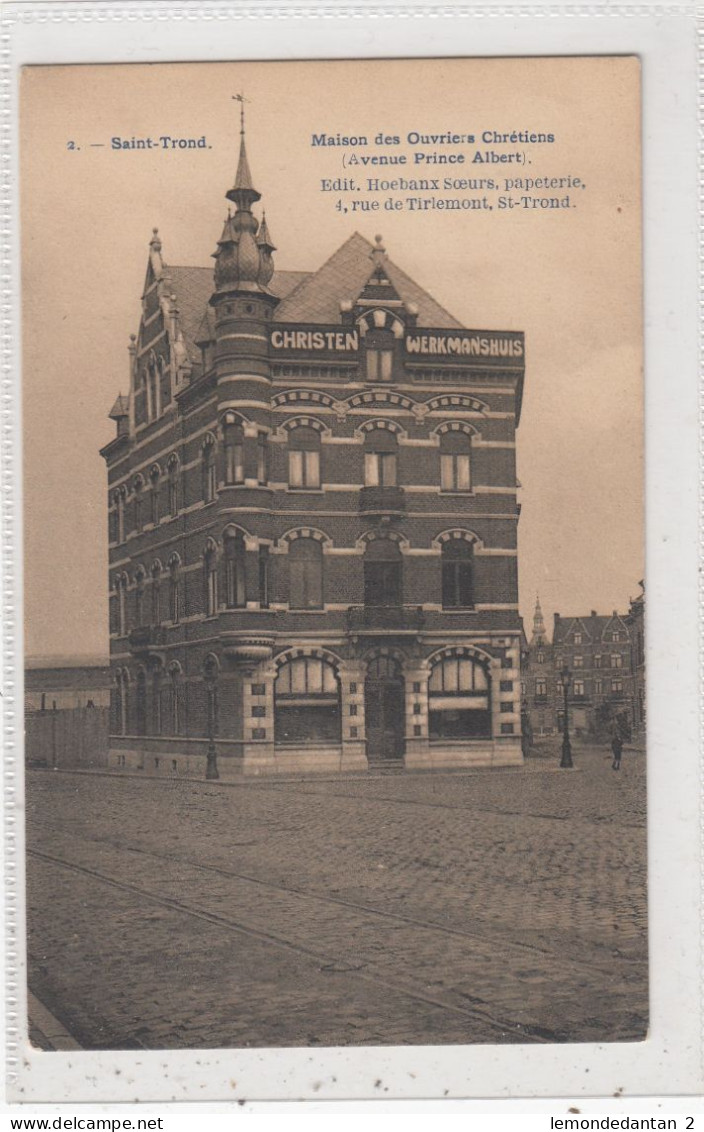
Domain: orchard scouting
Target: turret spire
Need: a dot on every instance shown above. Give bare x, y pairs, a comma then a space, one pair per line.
539, 635
243, 192
243, 259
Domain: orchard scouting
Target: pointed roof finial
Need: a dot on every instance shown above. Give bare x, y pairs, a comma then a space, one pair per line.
263, 237
243, 192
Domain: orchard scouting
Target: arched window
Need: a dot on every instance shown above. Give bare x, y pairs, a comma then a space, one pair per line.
139, 597
156, 719
263, 567
233, 440
383, 573
156, 593
305, 566
119, 501
262, 458
174, 591
174, 725
153, 392
455, 461
141, 703
307, 702
209, 471
173, 486
138, 505
380, 355
304, 457
235, 577
458, 699
154, 501
380, 457
210, 562
457, 575
122, 605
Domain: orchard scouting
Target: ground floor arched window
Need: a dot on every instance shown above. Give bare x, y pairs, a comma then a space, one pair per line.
307, 701
459, 705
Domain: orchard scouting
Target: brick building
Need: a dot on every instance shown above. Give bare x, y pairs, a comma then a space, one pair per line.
635, 620
313, 519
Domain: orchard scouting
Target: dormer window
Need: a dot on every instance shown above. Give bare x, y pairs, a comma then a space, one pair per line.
379, 355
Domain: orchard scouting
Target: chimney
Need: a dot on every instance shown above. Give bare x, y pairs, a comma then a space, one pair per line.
593, 613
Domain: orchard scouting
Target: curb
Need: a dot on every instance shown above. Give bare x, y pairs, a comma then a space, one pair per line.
53, 1034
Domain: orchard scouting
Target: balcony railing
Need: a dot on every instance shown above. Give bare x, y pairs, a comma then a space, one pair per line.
146, 637
385, 618
382, 500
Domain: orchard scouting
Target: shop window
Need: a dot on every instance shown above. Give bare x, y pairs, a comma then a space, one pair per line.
307, 702
305, 565
457, 575
458, 700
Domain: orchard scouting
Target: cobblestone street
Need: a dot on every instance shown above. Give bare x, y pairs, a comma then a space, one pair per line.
487, 906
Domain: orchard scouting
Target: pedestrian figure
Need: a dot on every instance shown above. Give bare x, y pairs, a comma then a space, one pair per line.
616, 746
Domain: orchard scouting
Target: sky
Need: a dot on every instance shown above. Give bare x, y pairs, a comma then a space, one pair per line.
569, 278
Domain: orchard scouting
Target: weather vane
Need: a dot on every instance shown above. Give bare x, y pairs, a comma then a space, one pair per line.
241, 99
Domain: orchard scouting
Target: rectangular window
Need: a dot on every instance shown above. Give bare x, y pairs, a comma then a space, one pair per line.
380, 469
454, 472
598, 687
506, 685
303, 468
578, 638
578, 688
507, 729
379, 365
541, 687
616, 660
262, 462
263, 562
506, 707
234, 462
597, 662
259, 711
617, 685
578, 662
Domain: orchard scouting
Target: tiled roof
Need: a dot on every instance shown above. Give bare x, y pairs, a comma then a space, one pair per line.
594, 626
193, 287
305, 296
317, 297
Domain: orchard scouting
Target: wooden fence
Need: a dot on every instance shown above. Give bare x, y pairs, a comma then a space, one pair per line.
72, 737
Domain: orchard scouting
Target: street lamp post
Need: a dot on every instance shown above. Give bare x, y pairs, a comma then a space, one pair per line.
211, 766
566, 760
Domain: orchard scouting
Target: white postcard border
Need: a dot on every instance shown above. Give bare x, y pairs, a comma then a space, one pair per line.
670, 1061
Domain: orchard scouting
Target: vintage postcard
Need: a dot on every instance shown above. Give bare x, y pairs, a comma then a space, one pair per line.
334, 559
335, 710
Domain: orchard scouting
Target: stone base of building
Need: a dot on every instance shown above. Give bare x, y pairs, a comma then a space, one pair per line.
188, 758
422, 754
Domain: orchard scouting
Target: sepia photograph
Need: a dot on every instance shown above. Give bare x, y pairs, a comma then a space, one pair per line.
334, 570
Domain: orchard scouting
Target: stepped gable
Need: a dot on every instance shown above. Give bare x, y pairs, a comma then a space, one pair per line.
193, 287
341, 278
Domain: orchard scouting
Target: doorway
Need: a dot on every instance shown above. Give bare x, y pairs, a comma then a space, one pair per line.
385, 710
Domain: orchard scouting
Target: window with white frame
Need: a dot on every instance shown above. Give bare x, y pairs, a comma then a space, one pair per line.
455, 461
304, 457
380, 458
